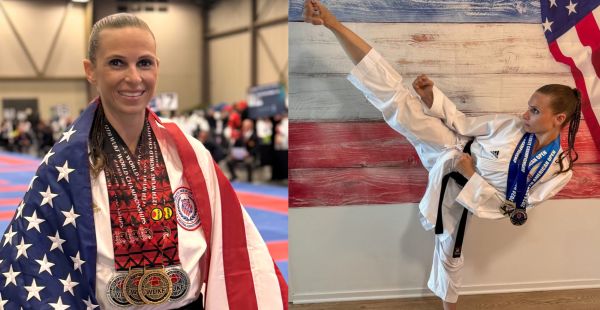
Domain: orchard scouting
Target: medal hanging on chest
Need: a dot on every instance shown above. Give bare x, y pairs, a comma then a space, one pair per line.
144, 227
519, 180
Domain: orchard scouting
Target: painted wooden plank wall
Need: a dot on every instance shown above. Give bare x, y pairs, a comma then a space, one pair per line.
354, 163
342, 153
448, 11
374, 144
482, 67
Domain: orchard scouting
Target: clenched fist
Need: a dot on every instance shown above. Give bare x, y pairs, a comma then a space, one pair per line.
464, 165
424, 88
317, 14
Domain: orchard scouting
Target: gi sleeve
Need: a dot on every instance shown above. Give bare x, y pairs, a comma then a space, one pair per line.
380, 83
484, 200
382, 86
444, 109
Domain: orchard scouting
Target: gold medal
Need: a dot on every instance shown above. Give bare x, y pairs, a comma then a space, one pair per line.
508, 207
130, 286
518, 217
155, 286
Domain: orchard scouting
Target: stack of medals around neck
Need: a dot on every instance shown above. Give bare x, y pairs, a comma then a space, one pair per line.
520, 180
144, 227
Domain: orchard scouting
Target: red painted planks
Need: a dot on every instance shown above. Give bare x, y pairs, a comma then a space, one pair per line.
584, 184
375, 144
348, 186
387, 185
348, 144
346, 163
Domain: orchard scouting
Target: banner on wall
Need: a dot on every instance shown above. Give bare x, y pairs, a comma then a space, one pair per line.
266, 100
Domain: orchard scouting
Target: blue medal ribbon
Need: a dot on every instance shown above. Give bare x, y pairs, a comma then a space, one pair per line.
517, 185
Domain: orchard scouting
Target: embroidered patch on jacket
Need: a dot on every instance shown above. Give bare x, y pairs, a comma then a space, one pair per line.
495, 153
187, 213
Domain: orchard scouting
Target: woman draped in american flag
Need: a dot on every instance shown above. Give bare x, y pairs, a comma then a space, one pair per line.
500, 165
127, 211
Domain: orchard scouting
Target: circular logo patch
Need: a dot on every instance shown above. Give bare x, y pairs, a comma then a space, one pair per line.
187, 214
168, 212
157, 214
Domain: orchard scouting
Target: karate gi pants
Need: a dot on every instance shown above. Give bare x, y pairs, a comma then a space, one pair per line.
438, 148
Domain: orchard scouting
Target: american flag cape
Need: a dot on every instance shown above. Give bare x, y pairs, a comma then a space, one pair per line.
573, 35
48, 252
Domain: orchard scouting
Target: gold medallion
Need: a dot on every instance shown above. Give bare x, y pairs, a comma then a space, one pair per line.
508, 207
130, 286
518, 217
155, 286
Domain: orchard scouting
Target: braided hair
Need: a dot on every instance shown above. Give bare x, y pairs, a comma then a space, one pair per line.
568, 100
98, 159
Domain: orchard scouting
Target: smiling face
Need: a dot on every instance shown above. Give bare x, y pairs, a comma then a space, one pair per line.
539, 117
125, 70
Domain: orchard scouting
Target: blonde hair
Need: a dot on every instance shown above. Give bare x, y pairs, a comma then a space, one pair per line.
115, 21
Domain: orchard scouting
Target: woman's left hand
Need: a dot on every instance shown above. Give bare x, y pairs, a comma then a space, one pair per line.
464, 165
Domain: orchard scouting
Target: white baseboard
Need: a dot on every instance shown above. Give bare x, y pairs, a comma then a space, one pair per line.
306, 298
530, 287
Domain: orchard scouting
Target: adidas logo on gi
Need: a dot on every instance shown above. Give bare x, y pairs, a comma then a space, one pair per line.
495, 153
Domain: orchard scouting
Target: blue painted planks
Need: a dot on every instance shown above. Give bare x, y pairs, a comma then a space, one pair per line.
428, 11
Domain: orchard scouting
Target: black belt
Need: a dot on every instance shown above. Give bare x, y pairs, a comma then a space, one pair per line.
439, 224
196, 305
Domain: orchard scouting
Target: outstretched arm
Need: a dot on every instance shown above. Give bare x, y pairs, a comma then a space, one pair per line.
355, 47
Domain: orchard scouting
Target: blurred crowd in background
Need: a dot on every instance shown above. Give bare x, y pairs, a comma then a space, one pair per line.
235, 140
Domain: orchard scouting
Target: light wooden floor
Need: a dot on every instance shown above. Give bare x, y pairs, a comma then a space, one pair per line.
588, 299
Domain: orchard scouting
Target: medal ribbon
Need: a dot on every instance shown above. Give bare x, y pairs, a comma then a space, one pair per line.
144, 227
517, 185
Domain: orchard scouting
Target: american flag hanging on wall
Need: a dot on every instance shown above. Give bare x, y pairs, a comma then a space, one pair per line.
573, 35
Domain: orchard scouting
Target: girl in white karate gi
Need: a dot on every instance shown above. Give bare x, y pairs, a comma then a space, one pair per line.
439, 133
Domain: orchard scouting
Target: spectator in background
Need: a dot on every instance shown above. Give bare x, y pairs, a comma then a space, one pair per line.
264, 132
234, 122
280, 162
241, 107
23, 136
45, 137
6, 130
216, 151
244, 150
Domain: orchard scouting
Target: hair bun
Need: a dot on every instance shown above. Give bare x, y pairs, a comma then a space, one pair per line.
576, 92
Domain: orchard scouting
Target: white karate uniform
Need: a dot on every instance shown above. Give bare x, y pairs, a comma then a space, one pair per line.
439, 135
